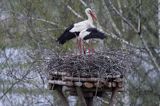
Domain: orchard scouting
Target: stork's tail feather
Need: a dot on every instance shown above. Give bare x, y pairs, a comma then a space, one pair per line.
66, 36
102, 35
61, 40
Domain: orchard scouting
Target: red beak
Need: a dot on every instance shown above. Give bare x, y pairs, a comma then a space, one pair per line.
93, 14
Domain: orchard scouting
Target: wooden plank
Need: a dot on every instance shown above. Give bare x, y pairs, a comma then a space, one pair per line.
60, 73
83, 79
98, 84
114, 84
90, 79
88, 85
118, 80
59, 82
78, 83
108, 84
120, 84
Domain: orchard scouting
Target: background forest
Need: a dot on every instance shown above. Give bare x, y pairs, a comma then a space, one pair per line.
28, 31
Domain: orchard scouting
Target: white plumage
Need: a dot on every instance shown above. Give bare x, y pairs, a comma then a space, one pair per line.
90, 33
83, 33
74, 30
78, 27
86, 23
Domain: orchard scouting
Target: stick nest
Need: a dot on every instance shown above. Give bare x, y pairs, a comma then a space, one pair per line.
101, 65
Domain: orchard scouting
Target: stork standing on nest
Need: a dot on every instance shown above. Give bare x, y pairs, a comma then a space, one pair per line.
74, 30
90, 33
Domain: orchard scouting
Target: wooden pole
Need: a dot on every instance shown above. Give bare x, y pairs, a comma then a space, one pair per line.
81, 97
62, 97
89, 101
112, 101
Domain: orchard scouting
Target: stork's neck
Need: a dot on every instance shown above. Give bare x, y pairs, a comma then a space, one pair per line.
90, 18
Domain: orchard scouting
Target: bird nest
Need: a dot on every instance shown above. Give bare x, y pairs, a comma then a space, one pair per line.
106, 64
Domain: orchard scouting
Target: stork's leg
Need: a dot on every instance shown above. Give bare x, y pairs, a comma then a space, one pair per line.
93, 51
89, 49
83, 46
80, 42
92, 48
84, 50
77, 46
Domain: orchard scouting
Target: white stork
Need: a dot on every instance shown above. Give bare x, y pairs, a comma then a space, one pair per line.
74, 30
90, 33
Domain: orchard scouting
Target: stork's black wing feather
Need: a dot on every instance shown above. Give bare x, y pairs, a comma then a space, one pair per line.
94, 33
67, 35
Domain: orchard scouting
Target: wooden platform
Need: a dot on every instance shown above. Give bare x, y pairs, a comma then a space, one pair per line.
86, 87
65, 79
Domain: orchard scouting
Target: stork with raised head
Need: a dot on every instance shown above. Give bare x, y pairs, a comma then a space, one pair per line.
74, 30
90, 33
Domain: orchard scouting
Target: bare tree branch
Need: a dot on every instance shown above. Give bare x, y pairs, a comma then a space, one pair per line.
110, 18
120, 10
16, 82
74, 12
83, 3
124, 19
123, 41
143, 41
